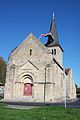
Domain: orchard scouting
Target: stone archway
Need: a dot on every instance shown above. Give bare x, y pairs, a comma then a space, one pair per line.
28, 85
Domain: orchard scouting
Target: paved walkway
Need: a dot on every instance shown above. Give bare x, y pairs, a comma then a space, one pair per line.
20, 107
30, 105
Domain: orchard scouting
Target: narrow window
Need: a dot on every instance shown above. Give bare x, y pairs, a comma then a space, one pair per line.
30, 52
54, 51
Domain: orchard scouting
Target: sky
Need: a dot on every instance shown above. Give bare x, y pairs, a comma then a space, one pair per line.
20, 17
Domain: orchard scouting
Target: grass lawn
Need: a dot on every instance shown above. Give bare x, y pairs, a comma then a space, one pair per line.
42, 113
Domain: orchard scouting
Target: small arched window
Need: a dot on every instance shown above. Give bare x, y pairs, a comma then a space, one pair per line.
30, 52
54, 51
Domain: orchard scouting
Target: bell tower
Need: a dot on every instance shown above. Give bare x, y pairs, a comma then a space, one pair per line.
53, 42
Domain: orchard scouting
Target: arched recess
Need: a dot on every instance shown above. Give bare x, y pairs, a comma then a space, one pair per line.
28, 85
27, 78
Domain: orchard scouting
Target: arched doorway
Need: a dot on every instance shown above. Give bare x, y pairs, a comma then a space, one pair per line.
28, 84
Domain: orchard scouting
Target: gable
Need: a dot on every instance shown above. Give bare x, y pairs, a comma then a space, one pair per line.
31, 40
28, 66
30, 43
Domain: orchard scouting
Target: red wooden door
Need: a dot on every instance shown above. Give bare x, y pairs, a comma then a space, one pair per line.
27, 89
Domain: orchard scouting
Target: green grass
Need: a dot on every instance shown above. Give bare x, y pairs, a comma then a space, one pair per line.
42, 113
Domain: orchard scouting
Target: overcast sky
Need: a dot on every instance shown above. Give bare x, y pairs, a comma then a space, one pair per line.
20, 17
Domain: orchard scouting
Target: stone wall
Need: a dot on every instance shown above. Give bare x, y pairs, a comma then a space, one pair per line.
33, 63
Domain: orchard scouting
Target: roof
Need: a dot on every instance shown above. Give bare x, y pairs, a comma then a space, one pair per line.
52, 35
27, 40
67, 71
1, 84
58, 64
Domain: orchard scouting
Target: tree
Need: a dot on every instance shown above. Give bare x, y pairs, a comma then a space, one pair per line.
2, 70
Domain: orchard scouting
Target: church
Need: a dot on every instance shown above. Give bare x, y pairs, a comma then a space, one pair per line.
35, 72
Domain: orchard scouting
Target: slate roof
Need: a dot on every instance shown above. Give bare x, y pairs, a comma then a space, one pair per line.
1, 84
52, 35
67, 70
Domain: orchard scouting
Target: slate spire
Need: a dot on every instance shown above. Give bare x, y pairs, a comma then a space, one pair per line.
52, 35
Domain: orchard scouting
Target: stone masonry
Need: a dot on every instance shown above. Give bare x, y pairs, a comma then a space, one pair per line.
35, 72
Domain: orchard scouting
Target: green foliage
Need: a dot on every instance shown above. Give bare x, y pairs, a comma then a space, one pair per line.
2, 70
40, 113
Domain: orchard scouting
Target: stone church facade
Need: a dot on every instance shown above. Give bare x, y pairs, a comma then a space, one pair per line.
35, 72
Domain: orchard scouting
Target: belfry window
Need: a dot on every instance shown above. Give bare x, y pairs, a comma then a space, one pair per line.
30, 52
54, 51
